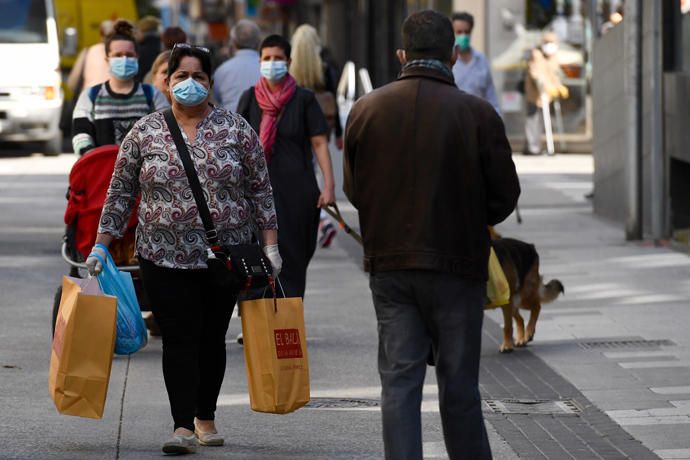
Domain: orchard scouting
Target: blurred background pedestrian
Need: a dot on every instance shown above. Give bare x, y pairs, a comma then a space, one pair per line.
158, 76
311, 73
149, 43
91, 66
241, 72
293, 130
171, 36
542, 85
471, 71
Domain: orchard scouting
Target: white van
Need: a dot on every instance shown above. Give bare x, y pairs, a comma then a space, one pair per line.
30, 92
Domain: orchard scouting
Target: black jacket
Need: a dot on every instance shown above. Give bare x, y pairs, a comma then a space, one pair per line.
149, 49
428, 167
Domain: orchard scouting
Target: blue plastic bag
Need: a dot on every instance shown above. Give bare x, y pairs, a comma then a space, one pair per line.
131, 330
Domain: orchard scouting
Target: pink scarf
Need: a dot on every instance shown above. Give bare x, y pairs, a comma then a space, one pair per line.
271, 105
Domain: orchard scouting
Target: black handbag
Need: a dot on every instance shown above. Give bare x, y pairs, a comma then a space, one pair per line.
238, 266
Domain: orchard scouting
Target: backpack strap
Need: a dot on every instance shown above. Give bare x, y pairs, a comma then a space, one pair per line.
93, 92
148, 92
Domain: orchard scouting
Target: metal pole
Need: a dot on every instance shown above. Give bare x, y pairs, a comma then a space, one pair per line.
548, 127
632, 84
657, 164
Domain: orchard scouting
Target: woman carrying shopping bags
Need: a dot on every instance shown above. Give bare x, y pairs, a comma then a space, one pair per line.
291, 126
192, 311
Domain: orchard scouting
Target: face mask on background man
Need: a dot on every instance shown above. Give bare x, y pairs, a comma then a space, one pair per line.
549, 48
273, 71
189, 92
124, 68
462, 41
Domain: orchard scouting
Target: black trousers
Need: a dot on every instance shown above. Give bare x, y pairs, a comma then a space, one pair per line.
417, 310
193, 316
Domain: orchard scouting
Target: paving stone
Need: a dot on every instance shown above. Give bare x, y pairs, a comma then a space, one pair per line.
671, 390
653, 364
523, 373
673, 453
637, 354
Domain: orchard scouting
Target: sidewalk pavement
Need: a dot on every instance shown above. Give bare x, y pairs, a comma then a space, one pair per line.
608, 373
619, 335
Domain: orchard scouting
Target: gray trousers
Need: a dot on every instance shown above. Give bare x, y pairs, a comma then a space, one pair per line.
418, 311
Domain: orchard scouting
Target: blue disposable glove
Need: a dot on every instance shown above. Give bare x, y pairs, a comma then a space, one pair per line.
94, 263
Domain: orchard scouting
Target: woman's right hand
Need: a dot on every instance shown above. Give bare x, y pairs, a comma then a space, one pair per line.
93, 263
273, 256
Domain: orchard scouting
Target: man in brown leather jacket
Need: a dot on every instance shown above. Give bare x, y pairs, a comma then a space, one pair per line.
428, 167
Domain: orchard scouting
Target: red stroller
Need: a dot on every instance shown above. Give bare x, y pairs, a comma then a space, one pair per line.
89, 180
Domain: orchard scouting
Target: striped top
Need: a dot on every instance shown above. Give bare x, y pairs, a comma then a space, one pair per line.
108, 119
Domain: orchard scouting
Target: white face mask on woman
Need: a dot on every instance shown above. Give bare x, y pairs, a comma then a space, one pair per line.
273, 71
189, 92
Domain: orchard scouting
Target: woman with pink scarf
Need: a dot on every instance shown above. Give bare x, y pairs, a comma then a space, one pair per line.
292, 129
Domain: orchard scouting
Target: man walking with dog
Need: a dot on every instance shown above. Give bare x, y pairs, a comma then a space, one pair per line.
428, 167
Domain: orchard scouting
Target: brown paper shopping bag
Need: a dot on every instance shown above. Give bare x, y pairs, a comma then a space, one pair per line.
83, 347
275, 352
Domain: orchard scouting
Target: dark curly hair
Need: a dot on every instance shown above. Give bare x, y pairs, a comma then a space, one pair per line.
122, 30
203, 55
428, 34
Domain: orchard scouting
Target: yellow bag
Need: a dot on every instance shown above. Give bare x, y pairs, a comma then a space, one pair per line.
275, 352
497, 288
83, 347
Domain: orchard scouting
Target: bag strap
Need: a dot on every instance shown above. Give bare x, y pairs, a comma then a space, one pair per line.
148, 93
192, 177
93, 92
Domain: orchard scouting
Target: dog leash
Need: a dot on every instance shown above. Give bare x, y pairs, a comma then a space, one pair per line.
334, 212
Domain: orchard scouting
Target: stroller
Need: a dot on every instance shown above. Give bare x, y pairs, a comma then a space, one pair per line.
89, 180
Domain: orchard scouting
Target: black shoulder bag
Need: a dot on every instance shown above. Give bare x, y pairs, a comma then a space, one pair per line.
239, 266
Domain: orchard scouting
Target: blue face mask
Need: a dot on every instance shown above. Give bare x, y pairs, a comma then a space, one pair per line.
189, 92
124, 68
273, 71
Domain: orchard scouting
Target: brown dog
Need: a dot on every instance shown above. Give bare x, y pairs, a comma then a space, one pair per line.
520, 263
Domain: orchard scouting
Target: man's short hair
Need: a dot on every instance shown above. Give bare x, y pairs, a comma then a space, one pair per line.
464, 16
245, 35
276, 41
428, 34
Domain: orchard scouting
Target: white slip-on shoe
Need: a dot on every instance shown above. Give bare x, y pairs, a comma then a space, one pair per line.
179, 444
208, 438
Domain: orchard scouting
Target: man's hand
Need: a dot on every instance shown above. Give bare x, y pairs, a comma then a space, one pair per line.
93, 263
326, 198
563, 92
273, 256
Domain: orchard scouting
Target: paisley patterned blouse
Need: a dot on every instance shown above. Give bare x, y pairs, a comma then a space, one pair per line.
232, 170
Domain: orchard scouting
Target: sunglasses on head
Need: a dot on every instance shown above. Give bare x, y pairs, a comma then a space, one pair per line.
188, 46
